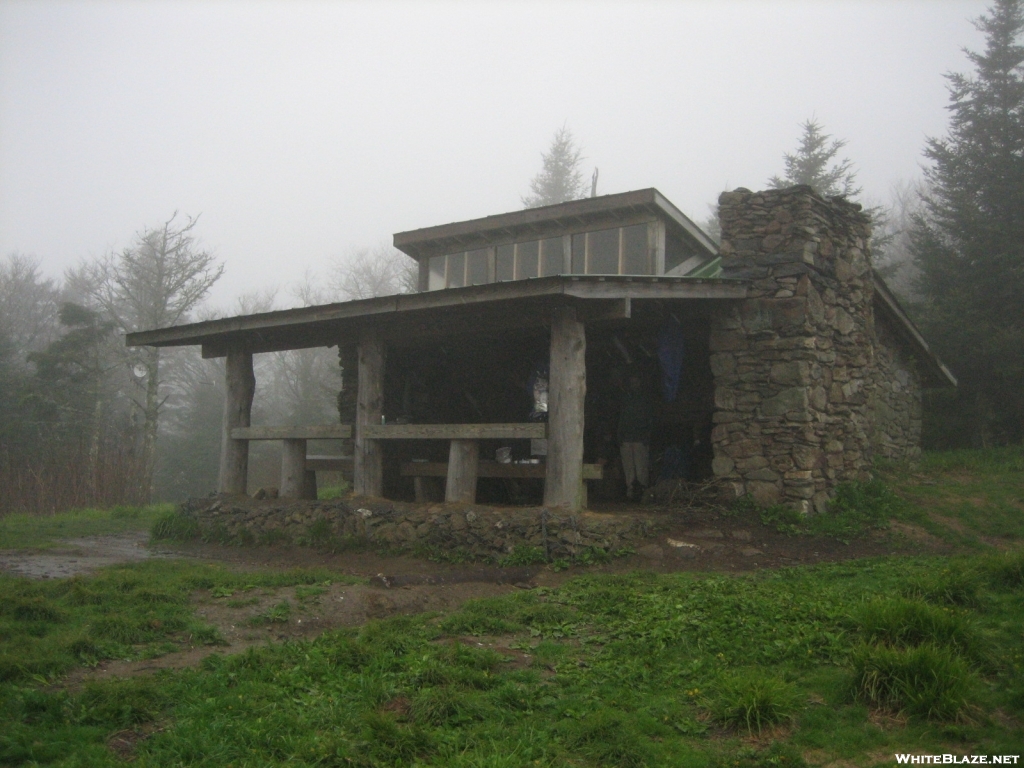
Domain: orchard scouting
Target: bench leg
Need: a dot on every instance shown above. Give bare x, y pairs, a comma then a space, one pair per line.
463, 463
293, 469
309, 485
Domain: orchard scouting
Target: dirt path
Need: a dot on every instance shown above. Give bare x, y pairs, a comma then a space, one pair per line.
397, 585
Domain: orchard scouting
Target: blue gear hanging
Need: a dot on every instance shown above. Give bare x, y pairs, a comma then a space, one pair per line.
671, 350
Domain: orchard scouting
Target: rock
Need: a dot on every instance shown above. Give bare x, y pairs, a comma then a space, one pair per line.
750, 552
680, 544
741, 535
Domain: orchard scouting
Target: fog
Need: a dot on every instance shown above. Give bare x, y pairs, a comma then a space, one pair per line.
300, 131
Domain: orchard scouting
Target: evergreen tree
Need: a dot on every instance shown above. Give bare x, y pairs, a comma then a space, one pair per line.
814, 164
968, 243
561, 179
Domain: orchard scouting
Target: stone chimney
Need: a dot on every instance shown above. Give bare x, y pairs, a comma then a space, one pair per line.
793, 363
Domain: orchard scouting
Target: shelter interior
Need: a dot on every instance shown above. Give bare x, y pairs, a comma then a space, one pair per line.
486, 378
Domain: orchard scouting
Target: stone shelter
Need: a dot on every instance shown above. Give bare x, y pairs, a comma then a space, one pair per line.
777, 361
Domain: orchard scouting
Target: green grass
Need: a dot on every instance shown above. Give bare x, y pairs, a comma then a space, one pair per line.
131, 611
625, 670
845, 663
636, 670
44, 531
965, 496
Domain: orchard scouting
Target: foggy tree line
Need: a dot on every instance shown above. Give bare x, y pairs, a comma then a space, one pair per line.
951, 245
89, 422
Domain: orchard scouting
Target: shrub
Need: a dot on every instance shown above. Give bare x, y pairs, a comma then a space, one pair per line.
956, 585
783, 519
908, 623
523, 556
928, 681
174, 526
856, 508
1004, 570
754, 702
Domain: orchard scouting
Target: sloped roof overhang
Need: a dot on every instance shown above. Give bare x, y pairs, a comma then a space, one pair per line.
479, 308
550, 220
936, 374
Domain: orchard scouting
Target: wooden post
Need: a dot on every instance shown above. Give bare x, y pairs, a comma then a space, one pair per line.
368, 469
293, 469
463, 465
234, 454
567, 389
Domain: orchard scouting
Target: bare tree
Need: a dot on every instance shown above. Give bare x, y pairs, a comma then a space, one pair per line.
368, 272
154, 283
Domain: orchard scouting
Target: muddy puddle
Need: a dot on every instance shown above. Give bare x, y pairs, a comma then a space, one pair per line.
78, 556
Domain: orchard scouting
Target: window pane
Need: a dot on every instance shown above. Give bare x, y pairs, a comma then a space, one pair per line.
603, 252
477, 267
526, 259
676, 252
634, 250
456, 270
551, 256
436, 273
504, 264
579, 253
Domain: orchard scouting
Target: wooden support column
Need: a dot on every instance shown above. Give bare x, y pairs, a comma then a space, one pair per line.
293, 469
368, 455
567, 389
463, 465
234, 454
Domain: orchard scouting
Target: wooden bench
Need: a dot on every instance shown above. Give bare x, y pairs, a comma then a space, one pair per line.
298, 477
463, 467
420, 469
298, 471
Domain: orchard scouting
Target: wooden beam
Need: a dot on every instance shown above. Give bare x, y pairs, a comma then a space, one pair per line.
324, 326
320, 463
463, 458
293, 468
567, 390
234, 454
368, 454
493, 469
525, 430
318, 432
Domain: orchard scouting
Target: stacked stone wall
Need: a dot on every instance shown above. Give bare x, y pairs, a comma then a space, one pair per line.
793, 363
481, 531
895, 398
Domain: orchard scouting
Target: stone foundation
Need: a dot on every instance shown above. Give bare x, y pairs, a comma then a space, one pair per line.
486, 532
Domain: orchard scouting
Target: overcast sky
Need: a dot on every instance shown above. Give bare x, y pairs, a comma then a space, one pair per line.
303, 130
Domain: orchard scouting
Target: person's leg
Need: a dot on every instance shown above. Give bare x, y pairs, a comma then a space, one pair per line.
641, 456
628, 466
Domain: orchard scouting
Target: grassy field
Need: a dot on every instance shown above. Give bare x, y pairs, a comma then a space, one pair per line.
42, 531
839, 664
